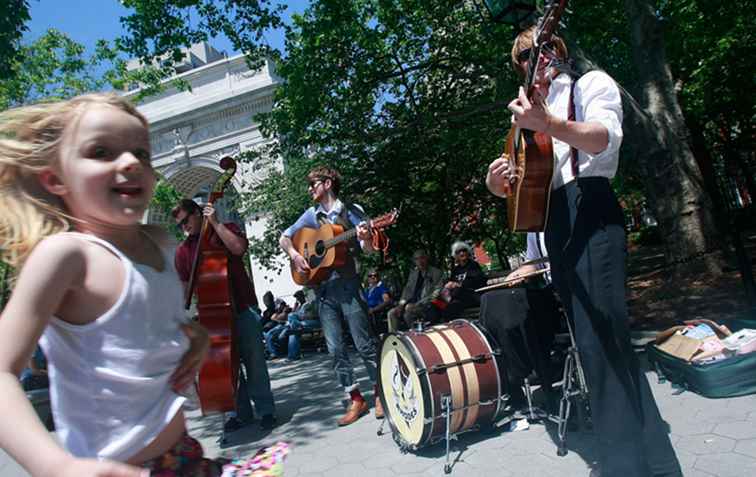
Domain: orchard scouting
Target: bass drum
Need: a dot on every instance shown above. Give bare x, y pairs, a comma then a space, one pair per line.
419, 368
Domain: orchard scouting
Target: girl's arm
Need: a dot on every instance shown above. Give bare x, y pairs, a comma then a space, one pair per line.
55, 266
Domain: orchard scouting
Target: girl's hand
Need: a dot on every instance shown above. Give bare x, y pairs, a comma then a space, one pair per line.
192, 360
100, 468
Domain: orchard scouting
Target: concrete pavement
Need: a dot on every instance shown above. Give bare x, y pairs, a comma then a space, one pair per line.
711, 437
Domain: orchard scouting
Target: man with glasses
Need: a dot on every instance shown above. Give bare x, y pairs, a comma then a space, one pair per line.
256, 385
585, 239
423, 281
340, 299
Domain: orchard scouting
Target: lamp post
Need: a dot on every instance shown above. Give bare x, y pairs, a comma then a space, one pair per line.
513, 12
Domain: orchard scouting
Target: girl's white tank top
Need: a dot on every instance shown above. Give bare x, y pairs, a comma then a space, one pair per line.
109, 379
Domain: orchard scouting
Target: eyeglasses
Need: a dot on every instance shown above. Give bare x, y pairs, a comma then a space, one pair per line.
524, 55
314, 184
461, 252
181, 223
372, 275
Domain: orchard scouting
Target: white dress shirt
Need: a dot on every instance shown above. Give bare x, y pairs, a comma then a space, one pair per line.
597, 99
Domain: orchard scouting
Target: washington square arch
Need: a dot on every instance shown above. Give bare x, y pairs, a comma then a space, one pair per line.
190, 131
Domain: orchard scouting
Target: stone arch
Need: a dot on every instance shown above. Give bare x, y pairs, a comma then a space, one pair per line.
195, 182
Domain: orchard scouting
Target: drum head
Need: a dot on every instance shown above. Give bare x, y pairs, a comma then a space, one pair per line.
401, 390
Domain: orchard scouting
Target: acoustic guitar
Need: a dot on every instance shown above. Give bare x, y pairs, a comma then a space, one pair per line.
530, 153
325, 248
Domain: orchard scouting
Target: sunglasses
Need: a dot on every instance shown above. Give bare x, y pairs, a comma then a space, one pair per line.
181, 223
314, 184
372, 275
524, 55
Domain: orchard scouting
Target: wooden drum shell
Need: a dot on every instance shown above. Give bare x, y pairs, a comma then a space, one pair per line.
437, 360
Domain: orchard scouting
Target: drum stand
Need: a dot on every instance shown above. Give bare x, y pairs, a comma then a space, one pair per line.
573, 386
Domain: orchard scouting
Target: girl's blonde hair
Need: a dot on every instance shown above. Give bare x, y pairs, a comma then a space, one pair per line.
30, 139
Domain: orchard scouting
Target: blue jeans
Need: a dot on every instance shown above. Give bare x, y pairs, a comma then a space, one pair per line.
256, 383
340, 300
273, 338
294, 330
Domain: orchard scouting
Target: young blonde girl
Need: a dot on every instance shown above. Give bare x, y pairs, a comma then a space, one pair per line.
98, 290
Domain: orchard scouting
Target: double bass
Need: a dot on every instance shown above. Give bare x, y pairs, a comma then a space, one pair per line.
218, 377
531, 153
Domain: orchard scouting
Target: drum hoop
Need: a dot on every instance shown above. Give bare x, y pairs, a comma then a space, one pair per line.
425, 384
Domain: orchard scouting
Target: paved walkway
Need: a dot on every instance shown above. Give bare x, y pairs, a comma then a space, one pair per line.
712, 437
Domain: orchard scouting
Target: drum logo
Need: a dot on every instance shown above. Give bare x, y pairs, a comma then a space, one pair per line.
402, 386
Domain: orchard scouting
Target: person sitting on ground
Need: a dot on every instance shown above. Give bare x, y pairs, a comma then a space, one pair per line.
465, 277
377, 297
415, 301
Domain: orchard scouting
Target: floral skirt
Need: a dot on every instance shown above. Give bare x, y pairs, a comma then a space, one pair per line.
186, 459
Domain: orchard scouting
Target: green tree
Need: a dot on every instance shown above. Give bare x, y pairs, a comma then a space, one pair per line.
13, 18
52, 67
407, 100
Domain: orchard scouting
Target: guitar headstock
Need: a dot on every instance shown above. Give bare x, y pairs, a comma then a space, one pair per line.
552, 12
544, 30
385, 220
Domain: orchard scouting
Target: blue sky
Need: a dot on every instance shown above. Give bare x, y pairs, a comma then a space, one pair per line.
87, 21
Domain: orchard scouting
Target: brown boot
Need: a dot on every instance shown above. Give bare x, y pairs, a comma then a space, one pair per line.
357, 409
378, 408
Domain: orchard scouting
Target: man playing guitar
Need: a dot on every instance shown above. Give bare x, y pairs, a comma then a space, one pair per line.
339, 296
585, 238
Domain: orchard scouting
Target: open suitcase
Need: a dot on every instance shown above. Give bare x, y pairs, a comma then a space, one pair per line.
734, 376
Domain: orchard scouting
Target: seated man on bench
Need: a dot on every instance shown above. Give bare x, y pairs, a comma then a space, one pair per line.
301, 320
466, 276
424, 280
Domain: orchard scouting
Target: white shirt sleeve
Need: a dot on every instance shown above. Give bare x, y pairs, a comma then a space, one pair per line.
600, 101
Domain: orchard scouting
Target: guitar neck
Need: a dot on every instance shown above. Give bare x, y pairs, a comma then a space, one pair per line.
351, 233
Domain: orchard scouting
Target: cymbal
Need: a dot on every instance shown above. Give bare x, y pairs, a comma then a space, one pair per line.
536, 261
506, 283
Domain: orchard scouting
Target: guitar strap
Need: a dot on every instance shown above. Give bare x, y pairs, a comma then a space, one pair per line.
574, 158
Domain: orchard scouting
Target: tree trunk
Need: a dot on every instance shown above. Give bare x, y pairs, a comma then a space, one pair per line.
675, 184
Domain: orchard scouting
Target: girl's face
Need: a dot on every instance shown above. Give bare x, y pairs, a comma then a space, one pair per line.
104, 174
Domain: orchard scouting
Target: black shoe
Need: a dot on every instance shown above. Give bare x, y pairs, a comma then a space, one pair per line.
233, 424
267, 422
